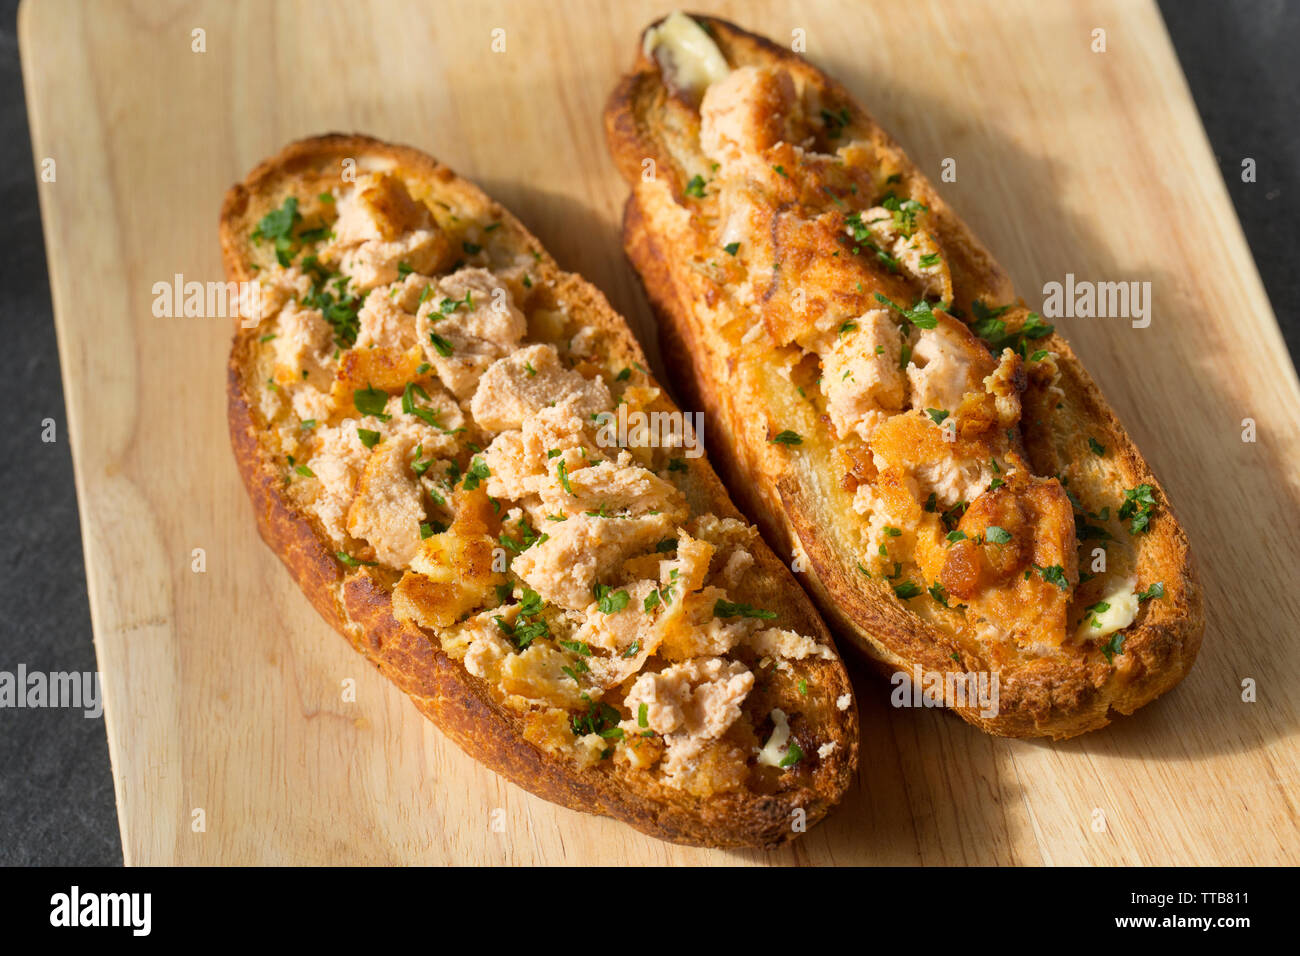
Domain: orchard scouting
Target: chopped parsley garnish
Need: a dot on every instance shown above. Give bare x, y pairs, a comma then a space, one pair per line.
562, 473
728, 609
938, 592
1053, 574
573, 672
478, 470
528, 624
351, 561
1114, 646
448, 306
610, 601
1156, 590
929, 259
904, 212
907, 590
1101, 607
937, 415
277, 226
792, 755
921, 315
787, 437
835, 122
1097, 447
340, 307
953, 514
304, 471
996, 535
1137, 505
371, 401
600, 718
527, 538
731, 248
1084, 531
419, 465
993, 330
695, 187
471, 248
862, 235
442, 346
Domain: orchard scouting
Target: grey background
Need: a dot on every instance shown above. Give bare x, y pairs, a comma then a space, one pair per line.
56, 792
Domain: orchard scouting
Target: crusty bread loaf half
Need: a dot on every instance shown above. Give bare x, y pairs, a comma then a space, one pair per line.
818, 299
410, 340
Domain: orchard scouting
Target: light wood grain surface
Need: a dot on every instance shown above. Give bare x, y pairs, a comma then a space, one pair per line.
224, 689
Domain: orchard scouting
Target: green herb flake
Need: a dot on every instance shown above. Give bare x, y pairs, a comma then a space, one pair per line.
440, 344
1156, 590
921, 315
562, 473
792, 755
371, 401
728, 609
478, 470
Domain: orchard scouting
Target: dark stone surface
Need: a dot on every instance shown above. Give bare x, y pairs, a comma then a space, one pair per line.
1241, 63
56, 793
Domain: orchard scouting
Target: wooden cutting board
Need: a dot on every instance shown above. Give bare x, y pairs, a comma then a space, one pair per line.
224, 690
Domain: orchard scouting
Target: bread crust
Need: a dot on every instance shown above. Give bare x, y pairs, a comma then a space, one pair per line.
1056, 698
359, 605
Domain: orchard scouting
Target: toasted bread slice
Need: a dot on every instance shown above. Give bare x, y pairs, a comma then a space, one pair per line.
878, 400
419, 403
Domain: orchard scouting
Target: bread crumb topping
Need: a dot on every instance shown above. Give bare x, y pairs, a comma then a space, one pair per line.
804, 221
438, 412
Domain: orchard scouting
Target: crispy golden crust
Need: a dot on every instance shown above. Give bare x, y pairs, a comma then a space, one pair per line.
358, 603
1056, 697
